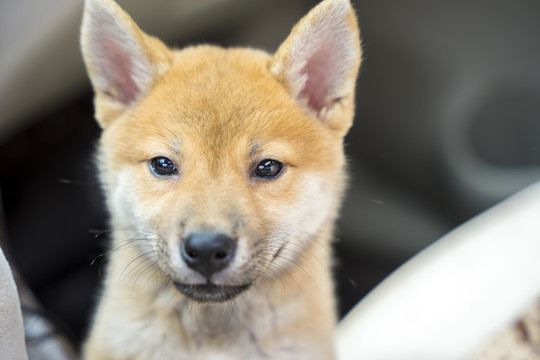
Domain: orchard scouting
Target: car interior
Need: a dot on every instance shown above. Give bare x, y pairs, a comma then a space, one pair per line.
447, 124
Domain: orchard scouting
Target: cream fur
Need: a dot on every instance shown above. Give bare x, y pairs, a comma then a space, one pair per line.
217, 113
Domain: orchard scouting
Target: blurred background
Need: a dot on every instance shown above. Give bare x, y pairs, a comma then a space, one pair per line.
447, 124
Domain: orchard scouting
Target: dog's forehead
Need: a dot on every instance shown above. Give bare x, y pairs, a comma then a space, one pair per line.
224, 86
220, 96
214, 102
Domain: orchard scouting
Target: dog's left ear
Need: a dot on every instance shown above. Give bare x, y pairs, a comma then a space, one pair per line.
319, 61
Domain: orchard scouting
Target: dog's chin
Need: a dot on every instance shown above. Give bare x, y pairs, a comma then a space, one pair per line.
211, 293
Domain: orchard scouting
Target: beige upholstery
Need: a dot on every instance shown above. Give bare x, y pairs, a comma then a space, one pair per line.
12, 345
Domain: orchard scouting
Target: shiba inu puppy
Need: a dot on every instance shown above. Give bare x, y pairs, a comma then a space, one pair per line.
223, 171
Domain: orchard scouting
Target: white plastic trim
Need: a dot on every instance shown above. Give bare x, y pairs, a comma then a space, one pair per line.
452, 299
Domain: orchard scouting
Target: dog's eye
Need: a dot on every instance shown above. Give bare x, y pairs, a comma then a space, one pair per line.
161, 166
268, 169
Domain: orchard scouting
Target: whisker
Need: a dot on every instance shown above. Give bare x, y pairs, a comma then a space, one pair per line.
300, 267
140, 274
299, 254
304, 250
144, 259
286, 272
173, 292
123, 246
274, 276
153, 274
97, 233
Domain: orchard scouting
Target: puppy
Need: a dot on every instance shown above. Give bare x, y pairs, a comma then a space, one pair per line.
223, 171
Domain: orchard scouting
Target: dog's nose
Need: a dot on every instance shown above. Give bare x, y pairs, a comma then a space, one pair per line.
208, 252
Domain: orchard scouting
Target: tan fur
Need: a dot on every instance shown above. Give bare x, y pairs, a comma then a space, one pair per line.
217, 113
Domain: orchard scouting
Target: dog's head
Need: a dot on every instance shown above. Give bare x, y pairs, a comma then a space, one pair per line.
223, 160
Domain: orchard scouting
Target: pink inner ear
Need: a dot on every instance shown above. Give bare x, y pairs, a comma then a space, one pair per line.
321, 73
119, 70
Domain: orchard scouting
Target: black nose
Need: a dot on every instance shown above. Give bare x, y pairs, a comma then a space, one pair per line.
208, 252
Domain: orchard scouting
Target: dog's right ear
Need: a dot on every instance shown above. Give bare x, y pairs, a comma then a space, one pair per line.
121, 60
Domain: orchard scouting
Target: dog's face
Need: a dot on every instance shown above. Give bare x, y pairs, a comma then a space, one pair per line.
227, 163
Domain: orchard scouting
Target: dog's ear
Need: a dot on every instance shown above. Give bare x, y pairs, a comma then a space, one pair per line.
318, 63
122, 61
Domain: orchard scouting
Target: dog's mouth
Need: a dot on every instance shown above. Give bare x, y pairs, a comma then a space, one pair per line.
211, 293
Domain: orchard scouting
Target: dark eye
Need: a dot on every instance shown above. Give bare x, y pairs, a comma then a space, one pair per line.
161, 166
268, 169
